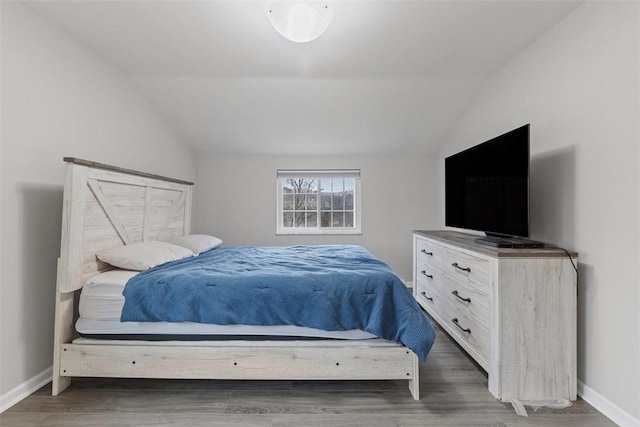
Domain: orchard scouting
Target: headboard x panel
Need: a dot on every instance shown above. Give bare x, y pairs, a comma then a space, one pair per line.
105, 206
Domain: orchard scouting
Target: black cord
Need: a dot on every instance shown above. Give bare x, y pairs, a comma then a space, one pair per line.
570, 259
574, 267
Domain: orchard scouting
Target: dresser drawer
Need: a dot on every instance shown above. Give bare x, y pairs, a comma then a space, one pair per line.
476, 340
473, 271
426, 271
466, 330
471, 300
428, 252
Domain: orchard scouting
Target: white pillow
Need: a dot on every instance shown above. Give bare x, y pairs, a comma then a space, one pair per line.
197, 243
143, 255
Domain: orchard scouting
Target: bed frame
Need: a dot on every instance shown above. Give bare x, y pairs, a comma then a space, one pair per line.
106, 206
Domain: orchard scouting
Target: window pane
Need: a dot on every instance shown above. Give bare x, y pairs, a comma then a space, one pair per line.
348, 219
311, 185
338, 201
350, 184
312, 219
287, 219
312, 201
325, 219
338, 219
300, 202
325, 201
338, 185
299, 219
289, 186
287, 202
348, 200
325, 185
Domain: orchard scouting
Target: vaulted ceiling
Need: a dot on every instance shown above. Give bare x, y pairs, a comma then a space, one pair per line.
388, 77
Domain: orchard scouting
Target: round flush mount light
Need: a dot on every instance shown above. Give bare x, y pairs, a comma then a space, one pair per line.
300, 22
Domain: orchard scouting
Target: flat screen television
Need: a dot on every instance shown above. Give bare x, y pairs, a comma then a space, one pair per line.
487, 189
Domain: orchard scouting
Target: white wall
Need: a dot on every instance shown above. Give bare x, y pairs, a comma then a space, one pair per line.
58, 99
236, 200
578, 86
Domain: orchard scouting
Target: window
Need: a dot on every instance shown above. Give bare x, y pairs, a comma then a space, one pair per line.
318, 202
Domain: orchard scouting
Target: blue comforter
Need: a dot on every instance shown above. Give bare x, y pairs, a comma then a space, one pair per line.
325, 287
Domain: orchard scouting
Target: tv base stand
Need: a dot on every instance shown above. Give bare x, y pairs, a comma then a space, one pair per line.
508, 242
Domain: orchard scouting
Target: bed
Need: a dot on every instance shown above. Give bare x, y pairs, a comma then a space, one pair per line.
107, 207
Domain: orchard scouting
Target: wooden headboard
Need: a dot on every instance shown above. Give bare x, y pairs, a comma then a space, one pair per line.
106, 206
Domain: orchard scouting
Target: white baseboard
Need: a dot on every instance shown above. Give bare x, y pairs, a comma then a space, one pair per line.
23, 390
608, 408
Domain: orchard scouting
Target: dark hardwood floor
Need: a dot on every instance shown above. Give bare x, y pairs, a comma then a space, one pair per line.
453, 393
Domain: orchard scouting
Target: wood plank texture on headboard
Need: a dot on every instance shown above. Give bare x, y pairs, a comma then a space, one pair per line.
105, 207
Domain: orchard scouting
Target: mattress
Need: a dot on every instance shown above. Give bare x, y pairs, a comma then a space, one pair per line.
101, 304
101, 297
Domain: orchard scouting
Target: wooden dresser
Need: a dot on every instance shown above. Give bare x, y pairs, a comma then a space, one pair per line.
512, 310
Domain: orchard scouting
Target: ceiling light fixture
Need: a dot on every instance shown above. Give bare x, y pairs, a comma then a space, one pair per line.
300, 22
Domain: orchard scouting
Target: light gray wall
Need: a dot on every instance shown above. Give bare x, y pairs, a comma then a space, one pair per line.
58, 99
578, 86
236, 200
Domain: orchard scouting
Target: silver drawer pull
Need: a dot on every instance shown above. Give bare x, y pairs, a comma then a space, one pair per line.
467, 269
424, 273
457, 295
424, 295
424, 251
455, 322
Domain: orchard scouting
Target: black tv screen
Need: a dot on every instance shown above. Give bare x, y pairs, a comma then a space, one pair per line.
487, 186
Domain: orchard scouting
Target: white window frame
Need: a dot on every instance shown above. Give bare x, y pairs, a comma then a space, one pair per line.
283, 174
